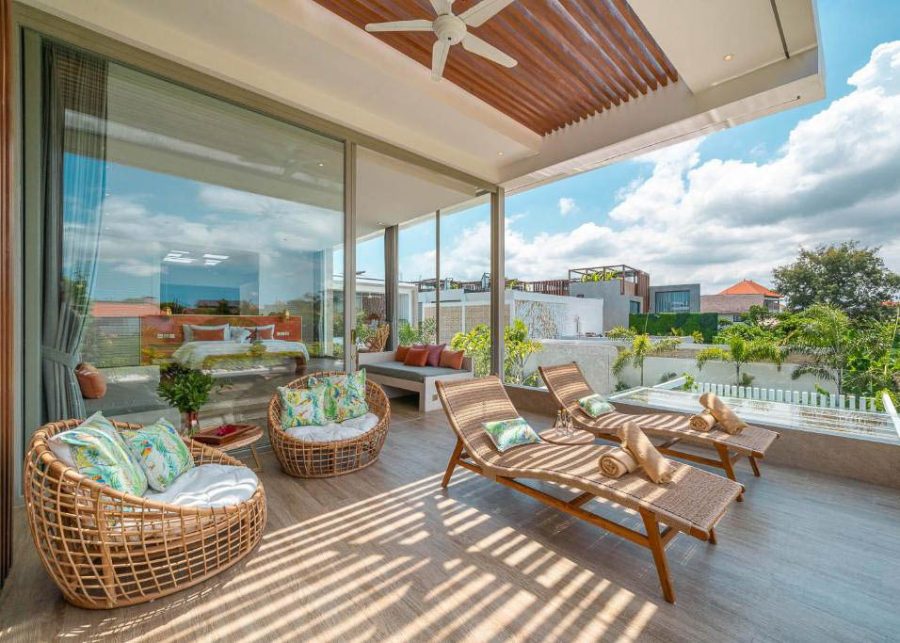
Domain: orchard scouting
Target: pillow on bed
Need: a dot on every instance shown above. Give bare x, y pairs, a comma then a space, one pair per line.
434, 354
595, 405
161, 452
262, 333
506, 434
208, 334
189, 331
302, 406
452, 359
416, 357
240, 335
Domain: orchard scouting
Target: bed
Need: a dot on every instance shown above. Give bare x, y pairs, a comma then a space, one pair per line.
230, 355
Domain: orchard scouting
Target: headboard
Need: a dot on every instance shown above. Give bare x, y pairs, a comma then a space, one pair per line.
161, 335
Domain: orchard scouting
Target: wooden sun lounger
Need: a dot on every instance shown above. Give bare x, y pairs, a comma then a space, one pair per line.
567, 385
692, 503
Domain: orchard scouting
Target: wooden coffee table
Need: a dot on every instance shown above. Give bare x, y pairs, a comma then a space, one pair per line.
246, 439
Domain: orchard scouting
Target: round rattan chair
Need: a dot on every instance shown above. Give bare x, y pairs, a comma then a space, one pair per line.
305, 459
107, 549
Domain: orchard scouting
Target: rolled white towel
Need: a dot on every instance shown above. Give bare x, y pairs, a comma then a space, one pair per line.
704, 421
617, 462
726, 418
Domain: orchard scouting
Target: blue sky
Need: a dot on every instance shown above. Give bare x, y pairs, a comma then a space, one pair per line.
605, 205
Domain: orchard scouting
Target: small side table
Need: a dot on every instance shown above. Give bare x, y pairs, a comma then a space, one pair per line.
247, 439
575, 437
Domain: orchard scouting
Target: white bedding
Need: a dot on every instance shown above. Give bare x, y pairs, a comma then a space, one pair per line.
209, 485
334, 431
194, 353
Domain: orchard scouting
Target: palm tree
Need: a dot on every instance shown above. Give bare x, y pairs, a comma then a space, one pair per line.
641, 348
823, 334
740, 351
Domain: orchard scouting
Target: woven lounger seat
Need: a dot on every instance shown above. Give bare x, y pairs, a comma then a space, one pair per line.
567, 385
308, 459
692, 503
107, 549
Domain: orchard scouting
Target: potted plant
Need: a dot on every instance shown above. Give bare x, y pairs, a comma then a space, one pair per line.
186, 389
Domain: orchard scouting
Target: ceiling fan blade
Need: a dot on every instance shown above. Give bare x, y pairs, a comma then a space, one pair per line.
483, 11
481, 48
401, 25
441, 7
439, 58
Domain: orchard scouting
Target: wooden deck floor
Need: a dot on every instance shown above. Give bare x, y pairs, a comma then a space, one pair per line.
386, 554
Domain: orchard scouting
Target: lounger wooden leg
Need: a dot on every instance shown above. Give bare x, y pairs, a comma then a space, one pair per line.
726, 465
452, 464
659, 555
754, 464
712, 537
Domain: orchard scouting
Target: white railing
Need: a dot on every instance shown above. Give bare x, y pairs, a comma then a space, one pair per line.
806, 398
891, 411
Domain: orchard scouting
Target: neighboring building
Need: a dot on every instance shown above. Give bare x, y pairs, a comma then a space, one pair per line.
547, 316
679, 298
623, 289
735, 301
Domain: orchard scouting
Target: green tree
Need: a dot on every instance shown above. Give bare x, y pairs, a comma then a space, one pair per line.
847, 276
740, 351
824, 335
641, 348
517, 344
873, 367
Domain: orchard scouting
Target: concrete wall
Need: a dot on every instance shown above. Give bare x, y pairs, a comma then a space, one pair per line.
766, 375
594, 357
729, 304
616, 307
693, 289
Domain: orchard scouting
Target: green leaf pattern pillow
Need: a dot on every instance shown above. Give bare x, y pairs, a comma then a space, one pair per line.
302, 406
595, 405
161, 452
345, 395
510, 433
98, 452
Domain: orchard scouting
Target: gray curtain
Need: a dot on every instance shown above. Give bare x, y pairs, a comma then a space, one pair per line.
74, 180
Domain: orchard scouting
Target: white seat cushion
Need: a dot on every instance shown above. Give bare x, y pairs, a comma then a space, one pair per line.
209, 485
334, 431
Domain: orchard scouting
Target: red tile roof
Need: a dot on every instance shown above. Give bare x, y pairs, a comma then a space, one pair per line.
748, 287
123, 309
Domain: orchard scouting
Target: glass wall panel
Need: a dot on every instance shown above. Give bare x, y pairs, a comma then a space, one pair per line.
194, 235
418, 265
370, 289
465, 268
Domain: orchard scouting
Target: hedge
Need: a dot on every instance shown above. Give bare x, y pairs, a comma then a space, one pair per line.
687, 323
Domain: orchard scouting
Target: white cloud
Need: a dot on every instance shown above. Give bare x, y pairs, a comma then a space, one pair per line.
836, 178
567, 205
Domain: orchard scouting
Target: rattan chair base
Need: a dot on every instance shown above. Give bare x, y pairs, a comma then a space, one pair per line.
106, 549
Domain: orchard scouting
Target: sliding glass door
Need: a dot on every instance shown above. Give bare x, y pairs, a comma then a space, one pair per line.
177, 231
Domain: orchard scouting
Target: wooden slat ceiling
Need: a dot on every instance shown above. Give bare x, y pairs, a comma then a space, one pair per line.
576, 57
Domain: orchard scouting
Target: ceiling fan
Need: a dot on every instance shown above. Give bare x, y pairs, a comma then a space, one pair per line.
451, 30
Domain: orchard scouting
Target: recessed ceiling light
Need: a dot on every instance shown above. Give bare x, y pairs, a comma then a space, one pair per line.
728, 57
321, 165
499, 153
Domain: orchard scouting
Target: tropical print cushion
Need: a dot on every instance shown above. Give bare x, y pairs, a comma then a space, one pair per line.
510, 433
161, 452
302, 406
97, 450
595, 405
345, 395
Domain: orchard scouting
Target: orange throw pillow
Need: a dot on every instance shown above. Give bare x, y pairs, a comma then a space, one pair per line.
416, 357
91, 381
452, 359
400, 355
208, 334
